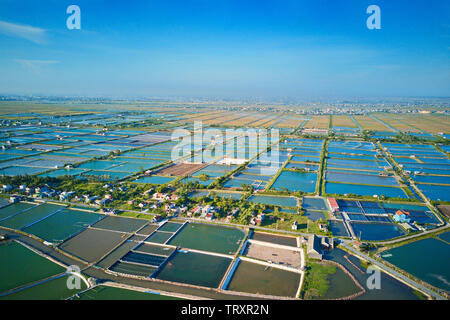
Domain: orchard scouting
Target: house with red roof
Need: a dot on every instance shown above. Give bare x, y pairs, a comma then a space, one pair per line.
333, 204
402, 216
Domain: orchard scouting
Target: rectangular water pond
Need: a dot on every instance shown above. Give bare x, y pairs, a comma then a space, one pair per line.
55, 289
62, 224
148, 229
154, 179
28, 217
121, 224
274, 200
13, 209
314, 203
20, 266
435, 192
208, 238
376, 231
256, 278
159, 237
296, 181
364, 190
356, 178
92, 244
195, 268
338, 228
170, 226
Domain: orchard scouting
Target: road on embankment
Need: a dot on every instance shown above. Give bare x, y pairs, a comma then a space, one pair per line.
392, 272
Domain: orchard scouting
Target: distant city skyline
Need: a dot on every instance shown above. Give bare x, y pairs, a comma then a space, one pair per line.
226, 49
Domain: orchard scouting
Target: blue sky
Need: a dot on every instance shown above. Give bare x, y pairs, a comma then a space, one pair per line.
225, 48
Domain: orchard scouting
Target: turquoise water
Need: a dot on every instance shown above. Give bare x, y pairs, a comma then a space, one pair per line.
98, 164
15, 171
62, 172
435, 192
228, 195
343, 188
208, 238
104, 175
296, 181
357, 178
426, 259
274, 200
154, 180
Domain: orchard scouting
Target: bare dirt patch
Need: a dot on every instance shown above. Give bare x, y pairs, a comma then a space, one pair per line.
181, 169
285, 257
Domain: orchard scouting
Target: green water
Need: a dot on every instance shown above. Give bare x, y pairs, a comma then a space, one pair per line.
340, 285
110, 293
195, 268
170, 226
92, 244
148, 229
427, 259
20, 266
159, 237
62, 225
24, 219
14, 209
120, 224
255, 278
208, 238
51, 290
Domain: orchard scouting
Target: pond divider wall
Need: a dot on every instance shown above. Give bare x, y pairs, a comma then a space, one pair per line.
230, 274
176, 232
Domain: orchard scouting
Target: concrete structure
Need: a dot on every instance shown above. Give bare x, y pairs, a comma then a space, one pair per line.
314, 250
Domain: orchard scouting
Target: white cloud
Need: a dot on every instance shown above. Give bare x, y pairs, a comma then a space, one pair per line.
35, 65
34, 34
